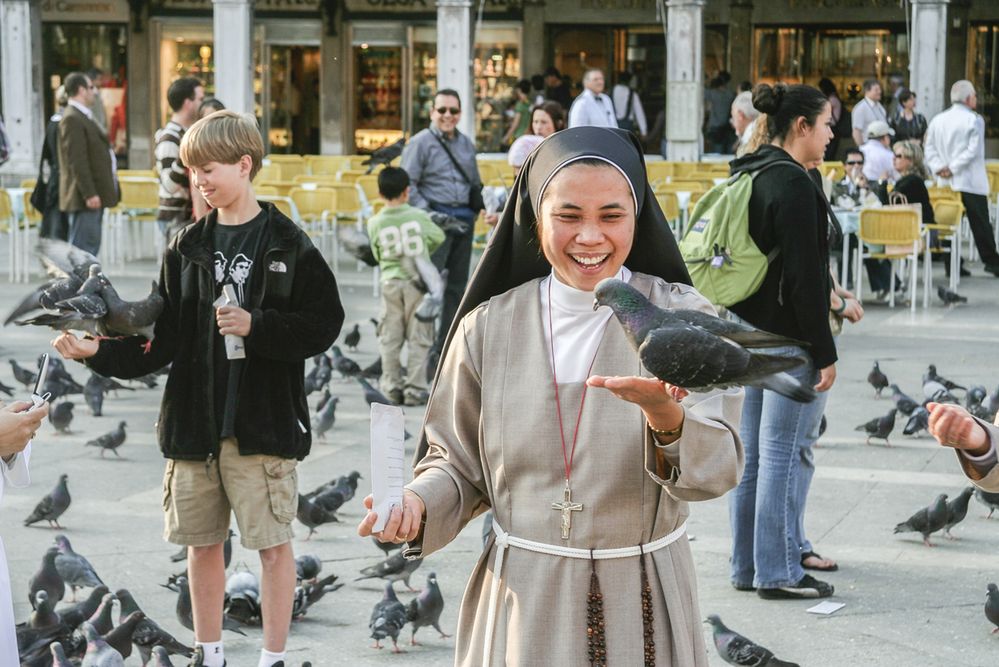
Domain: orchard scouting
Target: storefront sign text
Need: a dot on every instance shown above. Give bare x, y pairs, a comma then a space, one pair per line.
96, 11
617, 4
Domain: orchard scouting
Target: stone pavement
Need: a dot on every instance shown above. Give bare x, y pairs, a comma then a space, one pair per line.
905, 604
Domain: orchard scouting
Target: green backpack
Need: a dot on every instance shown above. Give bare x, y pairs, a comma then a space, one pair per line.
723, 261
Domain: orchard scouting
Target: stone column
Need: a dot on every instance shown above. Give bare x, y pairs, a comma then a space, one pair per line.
21, 77
684, 79
233, 21
533, 58
454, 57
335, 72
740, 41
927, 55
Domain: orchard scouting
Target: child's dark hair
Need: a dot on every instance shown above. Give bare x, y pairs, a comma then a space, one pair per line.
392, 182
783, 104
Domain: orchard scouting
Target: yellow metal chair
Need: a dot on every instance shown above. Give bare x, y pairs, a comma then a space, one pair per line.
283, 204
670, 205
28, 183
947, 216
10, 226
137, 173
488, 171
282, 187
325, 164
268, 172
292, 167
481, 233
316, 207
837, 168
351, 175
354, 161
139, 203
898, 230
937, 193
659, 171
316, 179
369, 186
265, 191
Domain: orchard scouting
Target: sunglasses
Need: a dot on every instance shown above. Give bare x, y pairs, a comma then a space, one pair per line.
900, 156
851, 162
443, 110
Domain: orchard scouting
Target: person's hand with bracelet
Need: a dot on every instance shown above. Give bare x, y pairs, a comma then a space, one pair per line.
849, 308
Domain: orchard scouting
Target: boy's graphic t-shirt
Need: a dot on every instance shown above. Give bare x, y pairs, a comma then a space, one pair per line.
237, 249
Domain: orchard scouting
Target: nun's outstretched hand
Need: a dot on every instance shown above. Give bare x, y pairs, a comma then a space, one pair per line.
660, 401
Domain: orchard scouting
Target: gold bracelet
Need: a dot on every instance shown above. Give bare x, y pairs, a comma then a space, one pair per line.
666, 433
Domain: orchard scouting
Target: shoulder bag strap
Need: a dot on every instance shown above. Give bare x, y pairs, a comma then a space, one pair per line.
453, 160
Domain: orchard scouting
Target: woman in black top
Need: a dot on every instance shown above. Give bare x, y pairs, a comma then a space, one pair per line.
786, 212
907, 123
909, 163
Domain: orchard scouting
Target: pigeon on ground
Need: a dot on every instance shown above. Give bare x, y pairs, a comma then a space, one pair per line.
394, 568
308, 594
992, 606
312, 516
67, 266
308, 567
61, 416
425, 609
101, 618
325, 418
52, 506
374, 371
74, 615
905, 404
345, 485
345, 366
700, 352
927, 520
184, 609
384, 155
388, 618
372, 395
957, 509
161, 658
74, 569
918, 421
990, 500
738, 650
823, 425
4, 389
111, 440
47, 579
975, 395
325, 396
23, 375
43, 615
59, 655
148, 633
931, 374
320, 375
242, 594
877, 379
149, 380
93, 394
353, 338
110, 384
120, 636
950, 298
99, 653
879, 427
938, 393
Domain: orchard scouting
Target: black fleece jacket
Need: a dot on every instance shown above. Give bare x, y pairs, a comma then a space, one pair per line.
296, 313
788, 211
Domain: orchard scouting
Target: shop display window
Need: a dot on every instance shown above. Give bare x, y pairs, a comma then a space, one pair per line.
185, 50
378, 96
983, 71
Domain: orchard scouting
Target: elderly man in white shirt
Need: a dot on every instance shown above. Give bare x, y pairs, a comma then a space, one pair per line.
592, 107
744, 116
17, 428
878, 156
955, 151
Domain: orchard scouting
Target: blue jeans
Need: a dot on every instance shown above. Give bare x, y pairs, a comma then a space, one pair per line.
806, 469
764, 509
85, 229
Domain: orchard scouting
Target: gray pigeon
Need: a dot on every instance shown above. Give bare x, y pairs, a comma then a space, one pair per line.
993, 405
880, 427
957, 509
388, 618
161, 658
99, 653
394, 568
384, 155
937, 392
927, 520
111, 440
43, 615
877, 379
905, 404
23, 375
67, 266
990, 500
356, 242
74, 569
52, 506
6, 390
309, 594
932, 375
425, 609
242, 594
975, 396
432, 282
308, 567
184, 609
59, 655
386, 547
148, 633
738, 650
128, 318
120, 636
74, 615
353, 338
325, 418
700, 352
101, 618
81, 312
61, 416
312, 516
345, 366
373, 371
950, 298
93, 394
325, 396
992, 606
47, 579
372, 395
918, 421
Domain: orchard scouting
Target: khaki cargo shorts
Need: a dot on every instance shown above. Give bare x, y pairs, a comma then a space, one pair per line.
261, 490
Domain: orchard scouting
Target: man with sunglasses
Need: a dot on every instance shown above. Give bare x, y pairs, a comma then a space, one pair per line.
444, 177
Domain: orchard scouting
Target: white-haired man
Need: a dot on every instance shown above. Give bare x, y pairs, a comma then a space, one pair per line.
955, 150
744, 116
593, 107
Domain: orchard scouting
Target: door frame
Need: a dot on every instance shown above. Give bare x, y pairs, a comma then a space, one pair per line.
284, 32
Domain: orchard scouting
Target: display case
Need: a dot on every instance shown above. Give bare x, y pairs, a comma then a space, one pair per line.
983, 71
378, 96
186, 49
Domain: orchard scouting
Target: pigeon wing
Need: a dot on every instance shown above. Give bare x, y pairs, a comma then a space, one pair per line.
688, 356
743, 334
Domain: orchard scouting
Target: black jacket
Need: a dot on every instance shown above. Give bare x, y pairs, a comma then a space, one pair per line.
296, 313
789, 211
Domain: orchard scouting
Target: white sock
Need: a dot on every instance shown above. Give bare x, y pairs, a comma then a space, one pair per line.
214, 653
268, 659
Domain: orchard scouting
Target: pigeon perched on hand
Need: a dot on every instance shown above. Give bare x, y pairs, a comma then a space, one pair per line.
99, 652
927, 520
52, 506
877, 379
950, 298
880, 427
990, 500
388, 618
700, 352
384, 155
67, 266
425, 609
61, 416
992, 606
736, 649
325, 418
345, 366
394, 568
957, 509
931, 375
937, 392
111, 440
905, 404
74, 569
918, 421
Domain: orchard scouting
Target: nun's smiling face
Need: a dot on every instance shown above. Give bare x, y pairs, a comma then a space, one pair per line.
587, 224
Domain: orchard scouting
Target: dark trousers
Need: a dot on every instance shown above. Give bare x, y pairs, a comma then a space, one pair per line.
55, 224
977, 208
85, 229
455, 255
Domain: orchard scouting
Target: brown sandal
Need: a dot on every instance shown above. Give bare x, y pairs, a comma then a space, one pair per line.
811, 554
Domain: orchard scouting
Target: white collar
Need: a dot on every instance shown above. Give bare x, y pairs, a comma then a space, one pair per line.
82, 109
577, 301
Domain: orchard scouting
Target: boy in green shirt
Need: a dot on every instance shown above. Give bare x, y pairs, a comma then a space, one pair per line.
400, 231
